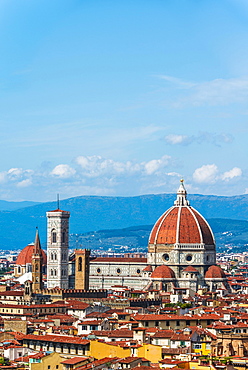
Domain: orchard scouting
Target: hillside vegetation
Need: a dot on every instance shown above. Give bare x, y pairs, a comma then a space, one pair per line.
93, 213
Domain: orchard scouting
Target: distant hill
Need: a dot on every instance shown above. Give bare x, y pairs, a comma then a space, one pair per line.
12, 206
92, 213
229, 234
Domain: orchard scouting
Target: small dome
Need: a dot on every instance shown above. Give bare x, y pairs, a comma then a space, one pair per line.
181, 224
148, 268
190, 269
163, 272
25, 256
215, 272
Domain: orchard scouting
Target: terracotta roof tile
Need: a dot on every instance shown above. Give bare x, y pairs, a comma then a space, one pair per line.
25, 256
181, 225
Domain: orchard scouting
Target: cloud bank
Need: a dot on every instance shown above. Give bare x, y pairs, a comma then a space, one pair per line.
95, 175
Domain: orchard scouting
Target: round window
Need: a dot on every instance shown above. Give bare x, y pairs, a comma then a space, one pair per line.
98, 270
138, 271
189, 257
166, 257
118, 271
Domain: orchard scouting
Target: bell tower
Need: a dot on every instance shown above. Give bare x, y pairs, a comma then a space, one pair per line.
37, 264
57, 248
82, 267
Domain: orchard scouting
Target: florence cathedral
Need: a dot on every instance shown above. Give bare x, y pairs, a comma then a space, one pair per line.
181, 256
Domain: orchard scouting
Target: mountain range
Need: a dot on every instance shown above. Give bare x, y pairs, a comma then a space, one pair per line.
93, 213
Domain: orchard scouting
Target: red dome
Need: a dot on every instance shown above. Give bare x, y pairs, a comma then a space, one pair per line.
148, 268
190, 269
163, 272
181, 224
215, 272
25, 256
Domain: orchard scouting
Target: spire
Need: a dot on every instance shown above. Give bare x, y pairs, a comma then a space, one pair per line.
181, 196
37, 247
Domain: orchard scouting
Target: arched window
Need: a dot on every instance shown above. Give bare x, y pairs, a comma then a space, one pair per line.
54, 236
55, 256
55, 272
63, 236
51, 256
80, 264
51, 272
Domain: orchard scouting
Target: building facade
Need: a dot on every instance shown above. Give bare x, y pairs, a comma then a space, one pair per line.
181, 252
57, 248
181, 256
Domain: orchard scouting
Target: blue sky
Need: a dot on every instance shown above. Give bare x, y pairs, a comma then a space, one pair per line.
122, 97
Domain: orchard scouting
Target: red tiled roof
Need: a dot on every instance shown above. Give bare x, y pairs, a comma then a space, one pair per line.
190, 269
163, 272
181, 225
215, 272
151, 317
129, 360
56, 338
148, 268
98, 362
74, 360
25, 256
163, 334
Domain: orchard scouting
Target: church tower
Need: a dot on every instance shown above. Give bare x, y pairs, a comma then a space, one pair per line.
82, 267
37, 264
57, 248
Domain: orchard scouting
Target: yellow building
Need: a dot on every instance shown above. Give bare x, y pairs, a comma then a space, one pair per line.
100, 350
49, 362
151, 352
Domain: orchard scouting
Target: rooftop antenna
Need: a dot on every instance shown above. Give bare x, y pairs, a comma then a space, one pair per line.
57, 201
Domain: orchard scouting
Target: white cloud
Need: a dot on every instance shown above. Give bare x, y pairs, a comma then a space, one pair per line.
201, 137
176, 174
209, 174
175, 139
63, 171
206, 174
95, 175
18, 173
2, 176
95, 166
24, 183
235, 172
156, 164
219, 91
178, 81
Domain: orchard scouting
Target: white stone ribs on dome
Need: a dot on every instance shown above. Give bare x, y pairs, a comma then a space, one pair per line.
161, 222
206, 224
178, 224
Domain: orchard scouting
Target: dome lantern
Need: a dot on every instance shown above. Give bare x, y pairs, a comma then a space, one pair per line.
181, 196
